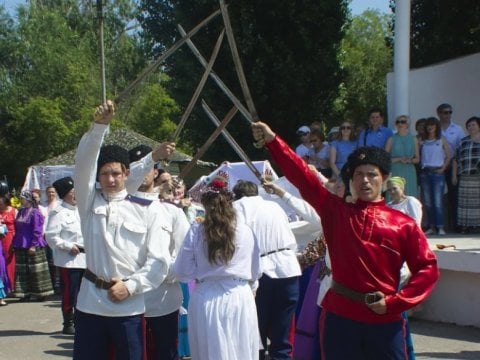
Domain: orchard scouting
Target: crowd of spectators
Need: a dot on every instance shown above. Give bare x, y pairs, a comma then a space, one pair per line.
438, 161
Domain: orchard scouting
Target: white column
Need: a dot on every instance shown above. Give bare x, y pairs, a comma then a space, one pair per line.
401, 60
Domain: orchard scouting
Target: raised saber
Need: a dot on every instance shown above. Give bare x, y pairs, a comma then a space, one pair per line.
238, 64
232, 142
163, 57
199, 88
209, 142
216, 78
102, 49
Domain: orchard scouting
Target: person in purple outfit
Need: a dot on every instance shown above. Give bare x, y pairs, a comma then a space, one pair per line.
32, 277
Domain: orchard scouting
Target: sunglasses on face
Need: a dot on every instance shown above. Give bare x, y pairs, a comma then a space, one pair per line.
345, 127
401, 122
302, 134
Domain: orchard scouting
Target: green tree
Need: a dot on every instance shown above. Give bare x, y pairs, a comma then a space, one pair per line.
289, 54
366, 58
443, 29
50, 58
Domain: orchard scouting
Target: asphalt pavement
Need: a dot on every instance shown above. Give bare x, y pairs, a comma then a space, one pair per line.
32, 331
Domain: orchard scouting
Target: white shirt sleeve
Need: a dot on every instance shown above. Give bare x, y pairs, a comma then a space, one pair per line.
138, 171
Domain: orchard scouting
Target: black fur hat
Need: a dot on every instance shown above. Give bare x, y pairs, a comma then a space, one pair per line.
63, 186
370, 155
139, 152
113, 153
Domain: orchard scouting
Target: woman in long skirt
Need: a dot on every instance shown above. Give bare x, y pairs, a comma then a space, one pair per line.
222, 256
32, 277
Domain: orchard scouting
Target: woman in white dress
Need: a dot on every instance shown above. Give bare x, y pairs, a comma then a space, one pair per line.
221, 254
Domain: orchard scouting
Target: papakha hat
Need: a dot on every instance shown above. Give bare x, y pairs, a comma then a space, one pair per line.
63, 186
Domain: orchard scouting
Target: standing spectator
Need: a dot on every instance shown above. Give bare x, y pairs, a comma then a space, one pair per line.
466, 173
403, 148
341, 147
32, 277
278, 289
303, 149
319, 154
126, 248
375, 134
65, 238
7, 217
51, 197
454, 134
368, 243
222, 255
420, 129
434, 160
333, 134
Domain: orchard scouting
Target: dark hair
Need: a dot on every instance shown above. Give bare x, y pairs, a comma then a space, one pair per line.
244, 188
318, 133
438, 130
473, 118
219, 225
443, 107
6, 199
369, 155
375, 110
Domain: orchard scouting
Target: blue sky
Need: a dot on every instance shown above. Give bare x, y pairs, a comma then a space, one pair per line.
357, 6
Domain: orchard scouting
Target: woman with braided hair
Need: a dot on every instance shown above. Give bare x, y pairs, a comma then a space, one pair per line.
221, 254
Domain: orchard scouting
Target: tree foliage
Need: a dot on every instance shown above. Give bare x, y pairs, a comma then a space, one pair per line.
443, 29
366, 58
288, 50
50, 77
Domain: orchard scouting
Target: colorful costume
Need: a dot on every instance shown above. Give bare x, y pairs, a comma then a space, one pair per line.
368, 242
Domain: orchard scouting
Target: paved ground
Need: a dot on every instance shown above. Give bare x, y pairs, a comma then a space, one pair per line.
31, 331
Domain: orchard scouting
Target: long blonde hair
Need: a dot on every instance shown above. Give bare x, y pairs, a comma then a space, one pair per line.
219, 225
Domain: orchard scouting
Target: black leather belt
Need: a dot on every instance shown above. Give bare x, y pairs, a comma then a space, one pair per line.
366, 298
82, 250
99, 282
274, 251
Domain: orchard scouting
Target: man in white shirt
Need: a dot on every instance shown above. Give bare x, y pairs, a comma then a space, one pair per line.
163, 303
278, 289
453, 133
64, 237
124, 256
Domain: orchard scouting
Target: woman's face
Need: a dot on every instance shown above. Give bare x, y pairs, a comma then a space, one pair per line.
316, 142
3, 205
473, 128
25, 202
396, 192
431, 128
346, 129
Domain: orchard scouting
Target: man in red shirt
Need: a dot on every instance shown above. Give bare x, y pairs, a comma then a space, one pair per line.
368, 243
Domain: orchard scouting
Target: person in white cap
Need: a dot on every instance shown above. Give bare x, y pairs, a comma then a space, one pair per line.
303, 149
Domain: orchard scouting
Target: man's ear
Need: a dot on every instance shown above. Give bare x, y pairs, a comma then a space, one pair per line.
155, 174
127, 172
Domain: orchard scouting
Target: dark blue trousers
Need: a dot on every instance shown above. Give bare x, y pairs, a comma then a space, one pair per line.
70, 280
164, 335
345, 339
276, 301
95, 335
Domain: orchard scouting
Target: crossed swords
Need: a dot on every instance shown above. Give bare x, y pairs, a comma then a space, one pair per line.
249, 113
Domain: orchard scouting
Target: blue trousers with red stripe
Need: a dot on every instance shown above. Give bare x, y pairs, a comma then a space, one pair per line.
70, 280
276, 301
95, 335
345, 339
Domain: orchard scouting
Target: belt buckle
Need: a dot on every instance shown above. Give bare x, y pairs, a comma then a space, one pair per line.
99, 282
370, 298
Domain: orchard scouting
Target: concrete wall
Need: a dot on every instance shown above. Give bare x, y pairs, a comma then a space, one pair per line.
456, 82
456, 297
